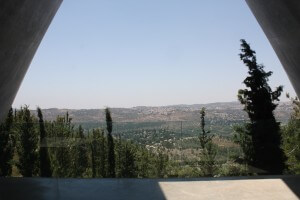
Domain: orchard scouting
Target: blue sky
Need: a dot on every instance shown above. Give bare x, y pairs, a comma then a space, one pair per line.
125, 53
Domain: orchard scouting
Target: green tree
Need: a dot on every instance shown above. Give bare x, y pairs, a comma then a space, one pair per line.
144, 163
261, 140
45, 165
61, 130
27, 143
98, 153
128, 168
6, 145
291, 139
110, 145
80, 155
208, 149
160, 164
103, 157
119, 155
204, 137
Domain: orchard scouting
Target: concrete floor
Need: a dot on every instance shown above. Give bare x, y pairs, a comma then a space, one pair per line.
281, 187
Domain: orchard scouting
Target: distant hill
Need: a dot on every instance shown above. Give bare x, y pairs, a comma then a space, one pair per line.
223, 111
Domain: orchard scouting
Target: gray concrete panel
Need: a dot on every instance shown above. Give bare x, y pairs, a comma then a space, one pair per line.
280, 21
23, 24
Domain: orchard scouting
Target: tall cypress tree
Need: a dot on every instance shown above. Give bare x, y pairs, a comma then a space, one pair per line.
110, 145
203, 136
208, 154
261, 138
6, 145
27, 143
45, 165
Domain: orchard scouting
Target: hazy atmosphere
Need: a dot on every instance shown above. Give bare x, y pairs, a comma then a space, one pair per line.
150, 53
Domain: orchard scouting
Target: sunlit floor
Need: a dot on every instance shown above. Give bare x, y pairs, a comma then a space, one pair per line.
267, 187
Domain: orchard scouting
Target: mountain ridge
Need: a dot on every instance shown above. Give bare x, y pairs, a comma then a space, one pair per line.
230, 111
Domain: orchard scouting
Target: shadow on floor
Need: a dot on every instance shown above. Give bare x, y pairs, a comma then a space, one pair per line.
112, 189
26, 188
293, 183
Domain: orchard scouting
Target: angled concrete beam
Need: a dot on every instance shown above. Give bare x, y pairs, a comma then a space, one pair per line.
280, 21
23, 24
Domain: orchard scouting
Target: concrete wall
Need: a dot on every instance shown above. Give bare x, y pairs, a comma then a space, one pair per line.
280, 20
23, 24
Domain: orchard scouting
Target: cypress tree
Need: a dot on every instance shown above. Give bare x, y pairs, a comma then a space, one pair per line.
27, 143
45, 165
110, 145
204, 137
261, 138
208, 154
6, 145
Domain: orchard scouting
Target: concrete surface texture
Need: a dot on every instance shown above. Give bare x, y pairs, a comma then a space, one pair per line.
272, 188
23, 25
280, 21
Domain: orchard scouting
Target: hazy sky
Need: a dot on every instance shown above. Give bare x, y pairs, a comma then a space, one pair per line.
124, 53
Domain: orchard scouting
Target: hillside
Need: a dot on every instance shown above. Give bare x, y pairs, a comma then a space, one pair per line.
224, 111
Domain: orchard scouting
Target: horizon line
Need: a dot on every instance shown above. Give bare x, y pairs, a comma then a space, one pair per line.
132, 107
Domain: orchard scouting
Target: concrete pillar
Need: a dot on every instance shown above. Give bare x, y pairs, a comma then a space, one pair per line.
23, 24
280, 21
